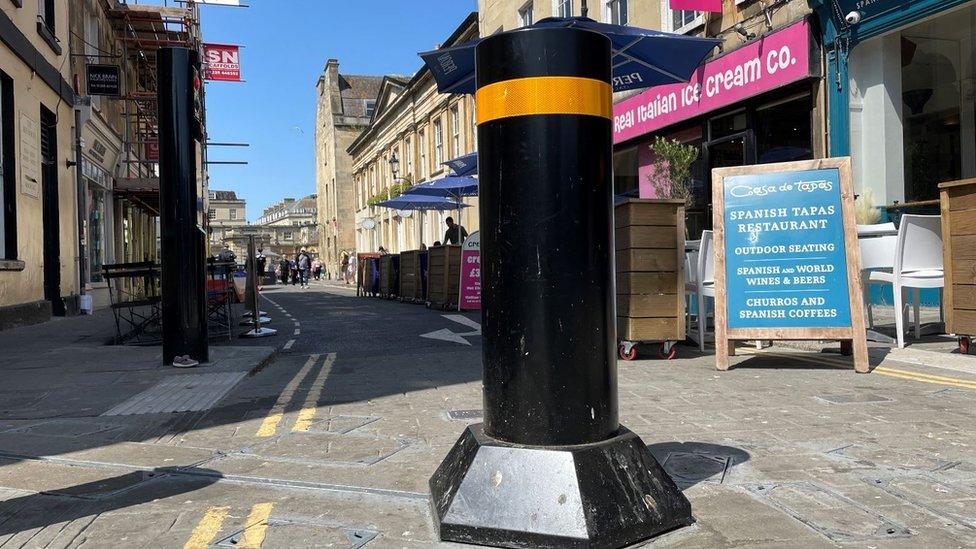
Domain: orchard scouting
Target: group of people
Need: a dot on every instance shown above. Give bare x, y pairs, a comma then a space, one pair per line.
300, 269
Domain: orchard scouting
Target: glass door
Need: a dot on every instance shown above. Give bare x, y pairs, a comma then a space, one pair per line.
732, 150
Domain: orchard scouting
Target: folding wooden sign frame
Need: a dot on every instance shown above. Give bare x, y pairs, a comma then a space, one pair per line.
853, 338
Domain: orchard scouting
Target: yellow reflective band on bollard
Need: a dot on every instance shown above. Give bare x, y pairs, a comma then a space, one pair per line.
543, 95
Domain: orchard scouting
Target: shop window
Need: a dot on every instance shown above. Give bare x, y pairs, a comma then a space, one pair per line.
913, 109
783, 131
96, 232
8, 172
727, 125
625, 182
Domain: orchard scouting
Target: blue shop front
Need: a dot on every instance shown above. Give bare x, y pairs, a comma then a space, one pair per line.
901, 88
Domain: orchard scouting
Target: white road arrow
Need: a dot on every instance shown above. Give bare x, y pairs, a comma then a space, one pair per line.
447, 335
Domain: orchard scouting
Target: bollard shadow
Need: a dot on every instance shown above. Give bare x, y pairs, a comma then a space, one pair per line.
691, 463
91, 499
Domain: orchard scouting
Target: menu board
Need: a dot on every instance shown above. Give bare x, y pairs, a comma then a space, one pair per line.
470, 289
786, 260
787, 263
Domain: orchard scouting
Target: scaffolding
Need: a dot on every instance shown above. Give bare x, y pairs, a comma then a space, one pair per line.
141, 30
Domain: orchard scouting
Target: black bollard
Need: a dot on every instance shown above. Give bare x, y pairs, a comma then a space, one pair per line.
182, 237
551, 466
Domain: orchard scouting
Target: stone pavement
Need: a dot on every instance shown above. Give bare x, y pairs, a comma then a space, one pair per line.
331, 444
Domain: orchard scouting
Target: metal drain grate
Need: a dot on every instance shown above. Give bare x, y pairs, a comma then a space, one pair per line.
854, 398
465, 415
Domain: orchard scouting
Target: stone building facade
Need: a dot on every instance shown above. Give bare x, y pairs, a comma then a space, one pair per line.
344, 106
38, 214
422, 129
226, 212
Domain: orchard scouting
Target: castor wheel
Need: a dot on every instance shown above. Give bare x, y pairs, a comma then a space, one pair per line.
668, 351
964, 345
627, 352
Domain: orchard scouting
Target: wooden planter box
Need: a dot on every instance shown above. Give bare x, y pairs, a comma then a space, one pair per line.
389, 275
958, 205
443, 276
650, 246
411, 277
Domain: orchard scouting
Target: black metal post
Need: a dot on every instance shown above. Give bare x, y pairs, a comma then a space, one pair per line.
551, 466
184, 274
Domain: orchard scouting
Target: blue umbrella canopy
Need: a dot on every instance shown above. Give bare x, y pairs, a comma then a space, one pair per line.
464, 165
420, 202
641, 58
452, 187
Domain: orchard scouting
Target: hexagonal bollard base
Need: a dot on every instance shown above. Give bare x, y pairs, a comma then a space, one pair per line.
603, 495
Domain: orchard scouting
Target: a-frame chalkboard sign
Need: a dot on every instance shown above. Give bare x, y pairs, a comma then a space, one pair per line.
787, 262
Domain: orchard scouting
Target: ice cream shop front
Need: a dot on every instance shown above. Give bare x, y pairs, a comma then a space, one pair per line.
755, 104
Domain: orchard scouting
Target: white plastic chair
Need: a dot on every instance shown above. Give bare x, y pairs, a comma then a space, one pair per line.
877, 244
918, 264
701, 283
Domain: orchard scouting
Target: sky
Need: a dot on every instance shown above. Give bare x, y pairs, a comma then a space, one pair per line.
286, 44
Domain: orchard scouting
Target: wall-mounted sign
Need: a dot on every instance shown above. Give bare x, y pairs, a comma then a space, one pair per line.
697, 5
865, 9
104, 80
151, 152
30, 156
787, 262
470, 288
757, 67
223, 62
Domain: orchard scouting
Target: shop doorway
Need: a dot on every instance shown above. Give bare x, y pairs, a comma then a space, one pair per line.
737, 149
51, 215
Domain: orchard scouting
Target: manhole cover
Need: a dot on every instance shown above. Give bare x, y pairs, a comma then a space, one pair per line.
854, 398
690, 468
465, 415
834, 516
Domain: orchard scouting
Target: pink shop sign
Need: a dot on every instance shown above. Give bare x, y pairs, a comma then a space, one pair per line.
766, 64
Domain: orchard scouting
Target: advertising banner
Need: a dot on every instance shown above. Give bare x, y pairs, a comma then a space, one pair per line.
757, 67
470, 289
787, 261
697, 5
223, 62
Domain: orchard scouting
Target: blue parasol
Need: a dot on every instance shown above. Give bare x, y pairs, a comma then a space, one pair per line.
641, 58
464, 165
420, 202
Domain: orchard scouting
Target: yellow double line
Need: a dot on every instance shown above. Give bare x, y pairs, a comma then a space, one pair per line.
269, 427
880, 370
255, 529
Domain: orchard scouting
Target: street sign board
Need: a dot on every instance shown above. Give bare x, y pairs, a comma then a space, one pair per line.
105, 80
787, 263
470, 288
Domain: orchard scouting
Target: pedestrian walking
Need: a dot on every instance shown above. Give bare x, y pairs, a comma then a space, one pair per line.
316, 268
304, 263
455, 234
350, 272
293, 271
262, 267
344, 267
283, 270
